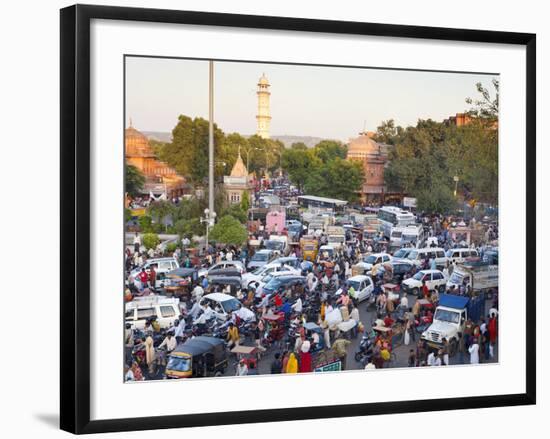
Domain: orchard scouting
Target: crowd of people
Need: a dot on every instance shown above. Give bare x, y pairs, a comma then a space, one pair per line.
281, 322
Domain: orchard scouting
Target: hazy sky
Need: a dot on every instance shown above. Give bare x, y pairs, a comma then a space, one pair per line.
328, 102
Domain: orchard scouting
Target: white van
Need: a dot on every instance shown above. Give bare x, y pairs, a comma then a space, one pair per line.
459, 255
165, 310
418, 255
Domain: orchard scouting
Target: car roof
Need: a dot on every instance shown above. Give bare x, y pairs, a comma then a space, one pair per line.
171, 258
429, 271
218, 297
264, 250
359, 277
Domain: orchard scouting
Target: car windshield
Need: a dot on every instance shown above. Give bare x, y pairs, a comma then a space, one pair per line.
412, 255
370, 259
260, 257
353, 283
231, 305
274, 245
258, 271
418, 276
446, 316
396, 234
179, 364
449, 253
274, 283
401, 253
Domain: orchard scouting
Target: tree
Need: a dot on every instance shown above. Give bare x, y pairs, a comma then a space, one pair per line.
150, 240
387, 132
236, 211
160, 210
228, 230
327, 150
299, 164
134, 180
245, 201
341, 179
187, 228
188, 151
299, 145
486, 107
145, 223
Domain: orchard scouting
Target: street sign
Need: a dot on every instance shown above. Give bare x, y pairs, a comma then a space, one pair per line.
409, 202
335, 366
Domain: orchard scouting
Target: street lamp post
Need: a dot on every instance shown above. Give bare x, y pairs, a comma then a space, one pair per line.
209, 218
455, 178
211, 137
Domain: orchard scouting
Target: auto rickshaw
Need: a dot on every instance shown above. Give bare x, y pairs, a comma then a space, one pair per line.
201, 356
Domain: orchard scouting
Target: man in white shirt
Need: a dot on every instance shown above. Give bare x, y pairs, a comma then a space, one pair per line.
297, 307
197, 292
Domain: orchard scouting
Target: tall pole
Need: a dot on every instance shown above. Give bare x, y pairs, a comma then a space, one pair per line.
211, 138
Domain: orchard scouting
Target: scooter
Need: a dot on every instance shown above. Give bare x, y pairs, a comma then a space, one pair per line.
365, 352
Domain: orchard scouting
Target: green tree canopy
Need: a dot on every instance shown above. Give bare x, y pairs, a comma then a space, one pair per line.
327, 150
188, 151
228, 230
134, 180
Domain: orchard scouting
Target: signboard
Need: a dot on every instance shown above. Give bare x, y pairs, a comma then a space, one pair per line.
335, 366
409, 202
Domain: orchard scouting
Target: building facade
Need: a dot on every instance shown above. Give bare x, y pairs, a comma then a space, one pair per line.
159, 177
237, 184
263, 118
373, 156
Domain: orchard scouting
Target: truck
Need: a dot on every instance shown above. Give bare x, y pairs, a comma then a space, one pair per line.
336, 236
478, 276
450, 318
275, 220
279, 244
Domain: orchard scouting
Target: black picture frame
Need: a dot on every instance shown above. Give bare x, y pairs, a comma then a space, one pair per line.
75, 217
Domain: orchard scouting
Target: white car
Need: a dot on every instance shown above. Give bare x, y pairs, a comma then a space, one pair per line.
435, 280
222, 304
375, 259
268, 277
261, 272
162, 266
233, 264
362, 285
164, 310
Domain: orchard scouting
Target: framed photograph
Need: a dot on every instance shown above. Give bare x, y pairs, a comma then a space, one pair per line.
275, 218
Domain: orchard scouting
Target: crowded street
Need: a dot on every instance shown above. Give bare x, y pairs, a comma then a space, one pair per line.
319, 286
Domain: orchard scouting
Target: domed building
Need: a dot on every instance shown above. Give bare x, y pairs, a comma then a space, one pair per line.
159, 177
374, 157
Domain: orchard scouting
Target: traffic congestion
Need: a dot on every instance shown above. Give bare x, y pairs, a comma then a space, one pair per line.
321, 285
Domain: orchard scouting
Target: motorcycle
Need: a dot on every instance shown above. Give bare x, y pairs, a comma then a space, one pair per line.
365, 353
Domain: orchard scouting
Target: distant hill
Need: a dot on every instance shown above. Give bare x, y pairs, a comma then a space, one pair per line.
159, 136
288, 140
309, 141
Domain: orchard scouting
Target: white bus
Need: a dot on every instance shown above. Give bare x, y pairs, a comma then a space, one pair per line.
391, 217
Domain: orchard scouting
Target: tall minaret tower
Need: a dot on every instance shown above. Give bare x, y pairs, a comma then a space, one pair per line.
263, 117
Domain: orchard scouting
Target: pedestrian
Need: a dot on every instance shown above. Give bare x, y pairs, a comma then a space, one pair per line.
474, 352
137, 243
340, 349
277, 364
305, 357
149, 353
152, 277
292, 364
233, 336
412, 358
461, 348
242, 368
